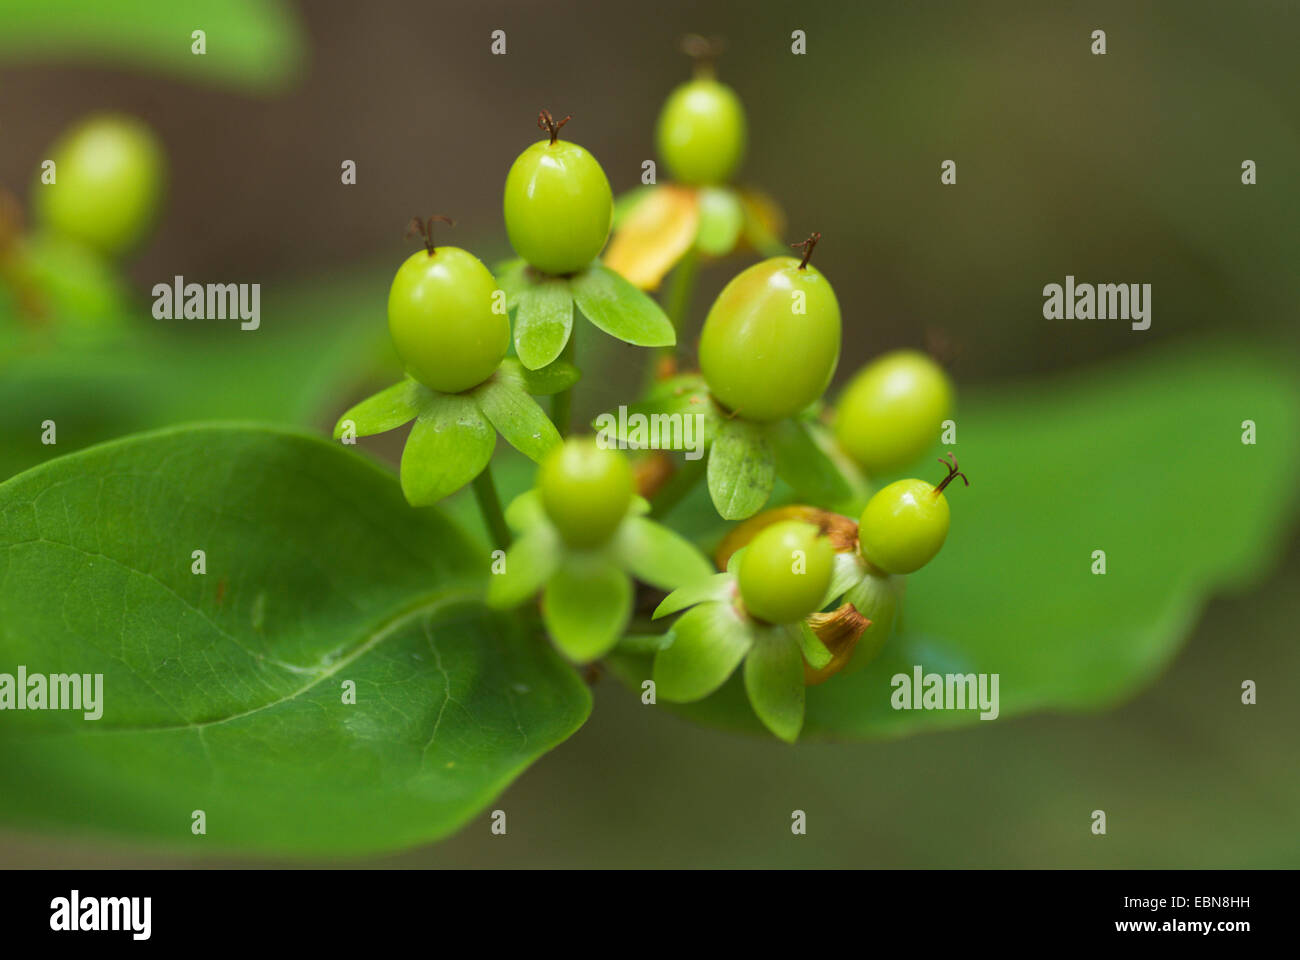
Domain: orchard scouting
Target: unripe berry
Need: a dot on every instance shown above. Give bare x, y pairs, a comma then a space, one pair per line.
586, 490
441, 318
771, 341
109, 177
701, 132
558, 205
905, 524
785, 572
892, 410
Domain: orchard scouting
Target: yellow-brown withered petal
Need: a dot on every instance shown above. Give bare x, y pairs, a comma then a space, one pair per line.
655, 235
839, 631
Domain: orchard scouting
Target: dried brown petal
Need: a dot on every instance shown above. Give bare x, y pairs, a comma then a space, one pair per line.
839, 631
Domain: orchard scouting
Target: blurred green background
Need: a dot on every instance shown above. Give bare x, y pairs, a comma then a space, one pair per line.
1123, 167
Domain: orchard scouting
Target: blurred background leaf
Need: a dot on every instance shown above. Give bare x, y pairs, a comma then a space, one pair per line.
319, 341
252, 45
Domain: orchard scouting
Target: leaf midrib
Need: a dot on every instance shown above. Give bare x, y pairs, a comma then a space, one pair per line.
424, 604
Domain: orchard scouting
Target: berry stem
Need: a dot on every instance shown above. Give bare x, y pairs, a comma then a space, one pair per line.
424, 229
489, 505
807, 247
562, 402
951, 463
704, 51
548, 124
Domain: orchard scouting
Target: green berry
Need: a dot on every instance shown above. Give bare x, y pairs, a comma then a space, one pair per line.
701, 132
785, 572
772, 339
586, 490
109, 173
891, 411
440, 313
558, 205
906, 523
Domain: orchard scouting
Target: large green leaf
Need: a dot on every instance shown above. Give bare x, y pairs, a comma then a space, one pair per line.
223, 692
1144, 460
251, 44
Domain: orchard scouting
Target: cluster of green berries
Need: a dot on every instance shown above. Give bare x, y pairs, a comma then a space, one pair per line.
901, 529
768, 349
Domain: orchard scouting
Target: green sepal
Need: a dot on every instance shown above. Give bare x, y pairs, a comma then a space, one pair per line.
722, 218
658, 556
551, 379
512, 277
774, 682
847, 570
709, 642
859, 483
682, 396
879, 598
804, 465
386, 410
733, 562
526, 511
719, 586
814, 651
543, 320
449, 446
587, 606
681, 392
742, 470
643, 644
620, 309
529, 563
517, 417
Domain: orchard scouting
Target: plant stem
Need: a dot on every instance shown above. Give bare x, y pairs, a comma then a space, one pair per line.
562, 402
682, 289
681, 483
489, 504
677, 303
